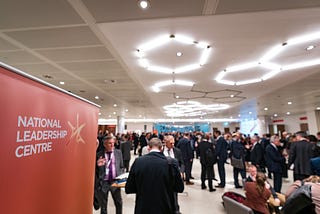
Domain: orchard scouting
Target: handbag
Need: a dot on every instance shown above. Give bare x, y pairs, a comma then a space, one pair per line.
237, 163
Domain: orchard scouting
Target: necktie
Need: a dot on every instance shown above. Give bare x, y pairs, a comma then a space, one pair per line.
110, 167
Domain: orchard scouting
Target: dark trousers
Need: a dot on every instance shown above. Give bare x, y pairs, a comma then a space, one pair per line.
176, 204
126, 164
222, 172
116, 196
299, 177
206, 171
236, 172
277, 181
187, 164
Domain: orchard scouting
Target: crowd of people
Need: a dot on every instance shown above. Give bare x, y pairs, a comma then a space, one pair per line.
167, 159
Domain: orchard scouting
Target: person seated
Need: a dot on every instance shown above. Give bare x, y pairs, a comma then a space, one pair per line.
276, 199
257, 194
314, 181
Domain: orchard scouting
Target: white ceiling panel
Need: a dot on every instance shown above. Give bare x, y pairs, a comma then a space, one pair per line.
18, 57
35, 13
242, 6
121, 10
7, 46
77, 54
57, 37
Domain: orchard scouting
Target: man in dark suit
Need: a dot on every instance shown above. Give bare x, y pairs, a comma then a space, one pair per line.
300, 155
125, 148
256, 154
187, 155
275, 161
221, 154
207, 160
238, 151
109, 166
170, 151
154, 179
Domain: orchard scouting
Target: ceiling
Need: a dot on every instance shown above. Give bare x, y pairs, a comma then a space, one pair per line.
91, 46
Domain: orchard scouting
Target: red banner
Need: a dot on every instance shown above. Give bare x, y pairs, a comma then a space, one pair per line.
48, 143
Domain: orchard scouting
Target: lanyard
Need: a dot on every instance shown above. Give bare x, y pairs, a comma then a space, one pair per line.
109, 161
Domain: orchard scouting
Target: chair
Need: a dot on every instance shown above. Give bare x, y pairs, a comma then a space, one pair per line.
231, 206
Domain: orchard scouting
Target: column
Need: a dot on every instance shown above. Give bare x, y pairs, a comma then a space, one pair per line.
313, 121
262, 125
120, 124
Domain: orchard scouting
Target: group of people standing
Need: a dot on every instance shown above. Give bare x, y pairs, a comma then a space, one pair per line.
166, 160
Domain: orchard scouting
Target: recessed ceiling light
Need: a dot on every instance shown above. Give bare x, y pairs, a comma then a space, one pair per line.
179, 54
96, 97
310, 47
114, 112
250, 112
275, 115
266, 109
232, 95
61, 83
140, 115
239, 115
288, 113
144, 4
99, 113
126, 110
109, 115
114, 105
318, 108
289, 103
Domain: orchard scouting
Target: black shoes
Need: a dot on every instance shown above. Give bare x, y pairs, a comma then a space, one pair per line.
203, 187
219, 186
212, 190
189, 183
239, 187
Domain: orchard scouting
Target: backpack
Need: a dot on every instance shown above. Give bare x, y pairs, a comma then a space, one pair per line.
210, 156
300, 201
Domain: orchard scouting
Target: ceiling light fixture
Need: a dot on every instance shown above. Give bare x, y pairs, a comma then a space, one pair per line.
114, 112
310, 47
144, 4
275, 115
162, 40
61, 83
264, 61
318, 108
96, 97
156, 87
289, 103
126, 110
115, 105
266, 109
231, 95
288, 113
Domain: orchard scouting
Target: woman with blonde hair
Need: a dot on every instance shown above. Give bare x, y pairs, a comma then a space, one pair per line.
257, 194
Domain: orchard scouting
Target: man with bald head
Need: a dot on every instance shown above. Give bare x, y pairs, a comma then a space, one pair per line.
154, 179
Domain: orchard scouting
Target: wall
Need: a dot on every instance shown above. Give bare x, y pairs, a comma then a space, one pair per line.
139, 126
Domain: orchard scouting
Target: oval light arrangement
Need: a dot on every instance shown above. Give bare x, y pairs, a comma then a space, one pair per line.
165, 39
191, 108
265, 62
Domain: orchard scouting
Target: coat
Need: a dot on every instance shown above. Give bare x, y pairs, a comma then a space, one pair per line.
300, 155
154, 183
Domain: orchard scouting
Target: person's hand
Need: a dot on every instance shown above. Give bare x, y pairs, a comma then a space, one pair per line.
267, 185
101, 161
277, 202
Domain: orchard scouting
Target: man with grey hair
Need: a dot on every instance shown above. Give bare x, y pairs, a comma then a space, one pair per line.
154, 179
275, 160
300, 154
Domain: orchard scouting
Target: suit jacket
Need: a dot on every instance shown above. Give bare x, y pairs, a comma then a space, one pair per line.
118, 162
300, 155
203, 147
125, 148
256, 155
237, 150
274, 159
154, 181
178, 156
222, 149
254, 200
185, 148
